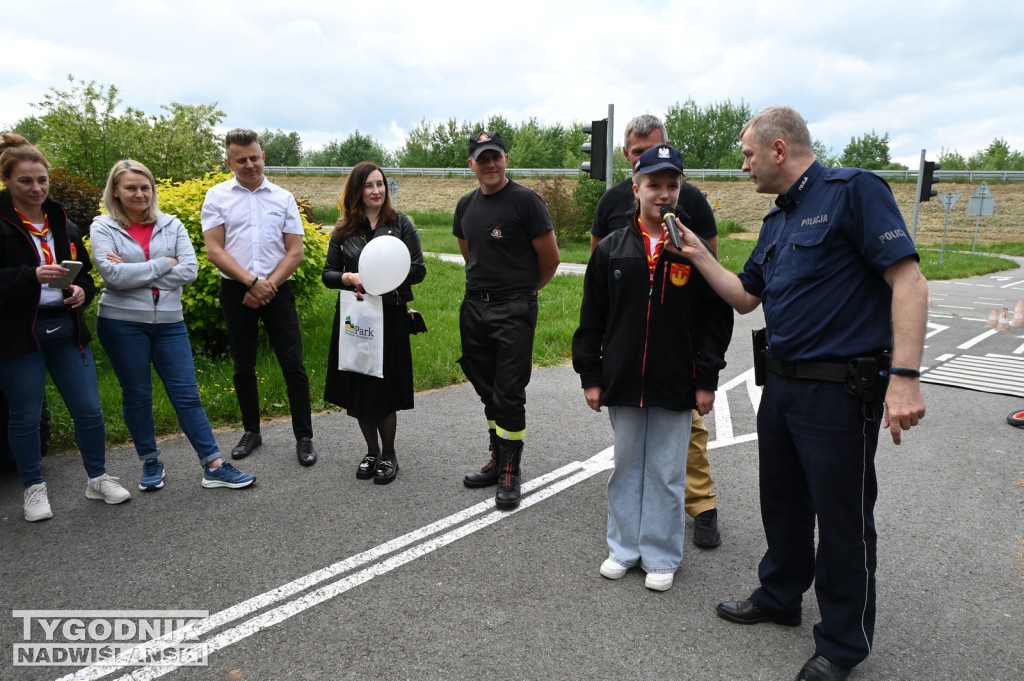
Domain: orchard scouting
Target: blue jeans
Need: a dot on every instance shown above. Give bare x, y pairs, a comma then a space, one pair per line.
132, 347
647, 487
24, 381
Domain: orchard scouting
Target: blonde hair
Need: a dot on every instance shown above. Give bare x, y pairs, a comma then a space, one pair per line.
112, 204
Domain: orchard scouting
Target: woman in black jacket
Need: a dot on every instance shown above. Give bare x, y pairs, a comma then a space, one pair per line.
43, 330
367, 215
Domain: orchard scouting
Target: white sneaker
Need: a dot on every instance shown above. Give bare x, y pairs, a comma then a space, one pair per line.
107, 489
37, 506
613, 569
659, 581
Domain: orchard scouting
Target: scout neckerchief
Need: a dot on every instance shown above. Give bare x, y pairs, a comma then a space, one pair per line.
652, 260
41, 234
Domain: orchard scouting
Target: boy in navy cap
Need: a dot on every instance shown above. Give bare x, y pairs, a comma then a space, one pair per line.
651, 341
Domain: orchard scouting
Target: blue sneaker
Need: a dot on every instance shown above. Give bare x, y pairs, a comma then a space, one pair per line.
152, 475
227, 476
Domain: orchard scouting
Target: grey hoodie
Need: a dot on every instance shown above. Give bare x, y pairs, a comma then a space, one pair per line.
128, 286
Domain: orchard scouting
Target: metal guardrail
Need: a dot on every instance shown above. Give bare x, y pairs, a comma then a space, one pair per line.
968, 175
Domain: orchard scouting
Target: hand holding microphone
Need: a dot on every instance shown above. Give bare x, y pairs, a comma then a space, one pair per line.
668, 214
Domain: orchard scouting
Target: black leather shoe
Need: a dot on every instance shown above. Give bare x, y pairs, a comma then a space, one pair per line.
819, 668
304, 450
745, 612
246, 445
367, 467
705, 530
386, 471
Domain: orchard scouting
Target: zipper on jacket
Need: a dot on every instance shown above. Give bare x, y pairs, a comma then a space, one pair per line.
647, 338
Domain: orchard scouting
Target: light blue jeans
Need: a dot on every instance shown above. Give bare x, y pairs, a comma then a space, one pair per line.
647, 487
132, 348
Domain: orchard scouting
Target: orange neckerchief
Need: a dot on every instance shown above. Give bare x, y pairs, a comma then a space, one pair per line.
652, 260
41, 234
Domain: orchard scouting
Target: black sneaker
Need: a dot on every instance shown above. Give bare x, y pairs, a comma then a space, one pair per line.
705, 529
246, 445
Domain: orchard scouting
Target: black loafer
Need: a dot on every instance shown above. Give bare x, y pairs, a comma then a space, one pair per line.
386, 471
819, 668
367, 467
745, 612
304, 450
246, 445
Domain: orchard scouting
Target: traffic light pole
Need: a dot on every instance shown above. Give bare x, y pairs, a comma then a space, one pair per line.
609, 151
917, 197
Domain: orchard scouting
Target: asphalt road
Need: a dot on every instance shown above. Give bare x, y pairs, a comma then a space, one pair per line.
313, 574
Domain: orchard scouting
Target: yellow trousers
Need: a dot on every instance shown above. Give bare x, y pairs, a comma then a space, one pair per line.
699, 497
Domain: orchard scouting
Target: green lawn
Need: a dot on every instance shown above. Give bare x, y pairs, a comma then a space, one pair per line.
434, 353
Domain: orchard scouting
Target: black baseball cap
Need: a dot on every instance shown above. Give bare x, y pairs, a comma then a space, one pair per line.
482, 141
660, 157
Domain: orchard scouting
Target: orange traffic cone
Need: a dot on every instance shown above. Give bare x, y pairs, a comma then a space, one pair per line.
993, 319
1004, 321
1018, 315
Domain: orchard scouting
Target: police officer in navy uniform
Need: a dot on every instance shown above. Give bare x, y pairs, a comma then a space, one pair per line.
845, 306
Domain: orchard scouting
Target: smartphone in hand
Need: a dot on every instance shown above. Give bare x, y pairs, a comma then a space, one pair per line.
73, 267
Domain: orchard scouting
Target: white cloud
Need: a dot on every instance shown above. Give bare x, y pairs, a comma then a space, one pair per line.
931, 74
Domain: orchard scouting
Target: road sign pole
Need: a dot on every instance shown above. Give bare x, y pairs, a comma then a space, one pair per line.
917, 197
977, 225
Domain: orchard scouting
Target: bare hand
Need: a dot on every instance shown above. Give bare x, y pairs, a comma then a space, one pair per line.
705, 401
50, 273
114, 257
77, 298
904, 405
173, 261
593, 396
354, 280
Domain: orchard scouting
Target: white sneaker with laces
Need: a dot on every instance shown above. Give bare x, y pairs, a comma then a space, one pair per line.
37, 505
613, 570
659, 581
107, 489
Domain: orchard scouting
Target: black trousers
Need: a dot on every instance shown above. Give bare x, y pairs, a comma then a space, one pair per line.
817, 462
497, 354
281, 322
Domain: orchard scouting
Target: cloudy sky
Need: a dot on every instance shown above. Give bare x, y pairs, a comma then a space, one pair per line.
932, 74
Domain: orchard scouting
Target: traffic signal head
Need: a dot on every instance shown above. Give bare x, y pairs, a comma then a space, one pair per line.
597, 147
928, 179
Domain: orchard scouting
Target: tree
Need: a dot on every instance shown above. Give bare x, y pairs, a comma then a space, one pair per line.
31, 128
869, 151
997, 156
281, 148
823, 154
183, 144
85, 132
356, 148
952, 160
708, 137
529, 150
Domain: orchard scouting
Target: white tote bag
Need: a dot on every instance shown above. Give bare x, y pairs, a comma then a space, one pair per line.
361, 336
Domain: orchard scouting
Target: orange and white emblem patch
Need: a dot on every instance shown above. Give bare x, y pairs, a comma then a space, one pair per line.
679, 274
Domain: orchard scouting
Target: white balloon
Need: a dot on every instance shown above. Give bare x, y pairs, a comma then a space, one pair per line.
383, 264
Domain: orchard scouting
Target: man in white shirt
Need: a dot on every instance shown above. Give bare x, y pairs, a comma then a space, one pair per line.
253, 235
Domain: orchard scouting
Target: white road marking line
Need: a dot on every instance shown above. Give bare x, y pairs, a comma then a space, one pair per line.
977, 339
1012, 283
958, 307
937, 328
1019, 351
723, 417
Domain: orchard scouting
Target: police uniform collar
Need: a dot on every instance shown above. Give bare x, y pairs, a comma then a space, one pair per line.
792, 198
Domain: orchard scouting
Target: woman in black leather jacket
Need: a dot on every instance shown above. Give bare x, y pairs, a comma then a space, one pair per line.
375, 402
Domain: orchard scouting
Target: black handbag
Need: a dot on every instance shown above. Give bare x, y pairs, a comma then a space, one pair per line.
416, 323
